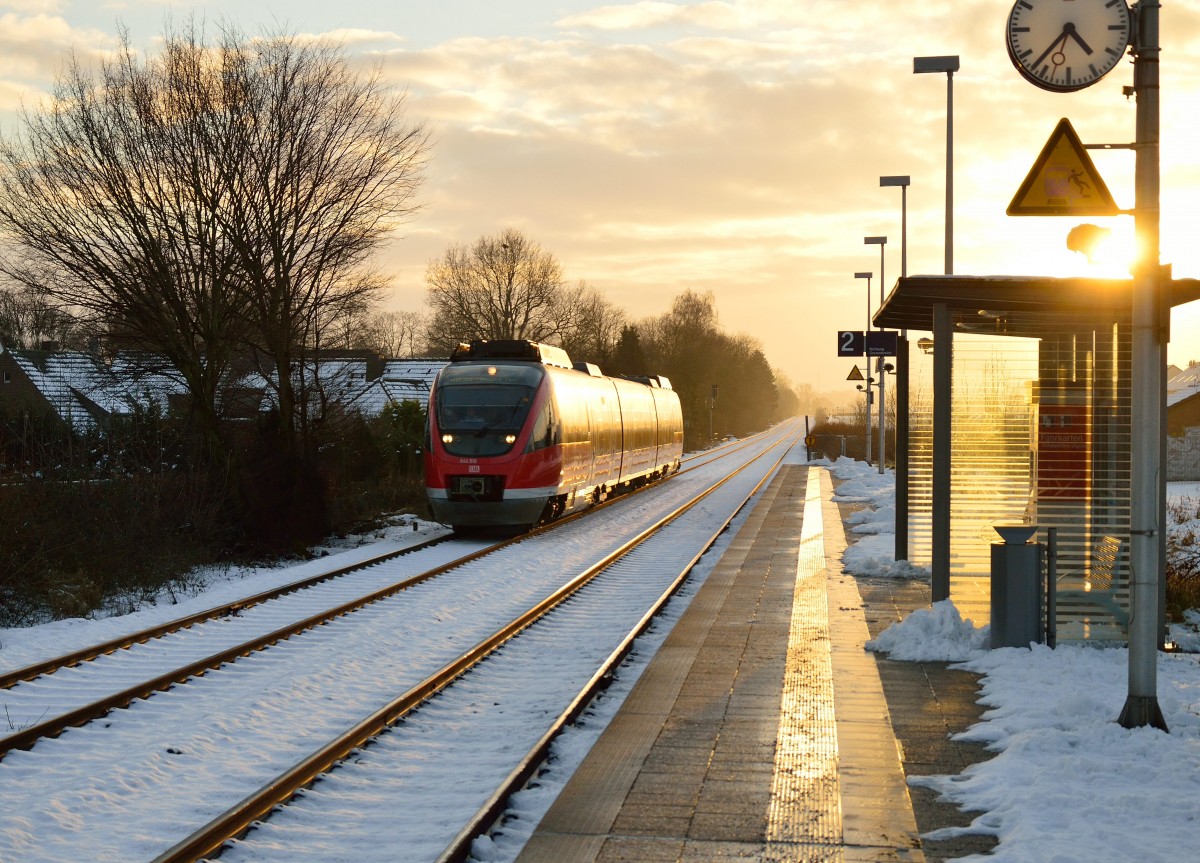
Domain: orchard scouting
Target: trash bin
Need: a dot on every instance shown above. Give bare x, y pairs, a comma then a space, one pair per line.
1016, 587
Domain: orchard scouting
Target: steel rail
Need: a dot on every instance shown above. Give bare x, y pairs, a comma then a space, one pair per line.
27, 737
258, 805
482, 822
11, 678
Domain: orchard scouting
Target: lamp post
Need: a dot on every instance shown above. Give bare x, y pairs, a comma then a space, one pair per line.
901, 532
867, 388
712, 406
940, 497
1150, 326
882, 243
903, 181
949, 65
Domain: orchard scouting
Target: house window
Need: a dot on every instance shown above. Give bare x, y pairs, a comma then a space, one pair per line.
8, 377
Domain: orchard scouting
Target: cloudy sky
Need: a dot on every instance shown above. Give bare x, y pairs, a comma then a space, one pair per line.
732, 146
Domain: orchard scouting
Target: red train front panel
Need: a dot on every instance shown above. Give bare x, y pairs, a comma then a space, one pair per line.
491, 458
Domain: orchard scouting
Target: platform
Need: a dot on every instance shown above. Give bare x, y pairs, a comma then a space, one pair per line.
760, 730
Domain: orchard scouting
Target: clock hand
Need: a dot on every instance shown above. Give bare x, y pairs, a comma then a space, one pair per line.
1060, 40
1069, 30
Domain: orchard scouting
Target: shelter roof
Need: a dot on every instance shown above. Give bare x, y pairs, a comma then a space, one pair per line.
1029, 301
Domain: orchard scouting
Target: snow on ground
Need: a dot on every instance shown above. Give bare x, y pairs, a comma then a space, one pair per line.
874, 525
1067, 782
212, 586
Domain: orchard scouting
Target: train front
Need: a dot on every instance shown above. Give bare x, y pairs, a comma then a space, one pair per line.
488, 461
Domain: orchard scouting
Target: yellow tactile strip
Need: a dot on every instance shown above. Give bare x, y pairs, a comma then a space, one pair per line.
688, 771
805, 820
877, 817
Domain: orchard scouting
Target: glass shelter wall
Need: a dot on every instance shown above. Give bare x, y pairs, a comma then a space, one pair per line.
1040, 434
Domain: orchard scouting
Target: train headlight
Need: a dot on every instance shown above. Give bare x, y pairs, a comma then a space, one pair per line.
510, 439
447, 438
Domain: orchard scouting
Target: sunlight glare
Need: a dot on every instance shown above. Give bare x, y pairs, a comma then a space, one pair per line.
1110, 251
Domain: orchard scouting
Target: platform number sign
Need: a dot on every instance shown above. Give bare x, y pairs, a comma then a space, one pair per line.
851, 343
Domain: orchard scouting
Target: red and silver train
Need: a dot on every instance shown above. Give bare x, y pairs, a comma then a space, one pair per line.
516, 435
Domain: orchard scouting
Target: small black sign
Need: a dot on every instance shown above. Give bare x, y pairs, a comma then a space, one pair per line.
851, 343
882, 343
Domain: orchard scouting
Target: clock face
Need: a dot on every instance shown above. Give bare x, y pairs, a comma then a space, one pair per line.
1065, 45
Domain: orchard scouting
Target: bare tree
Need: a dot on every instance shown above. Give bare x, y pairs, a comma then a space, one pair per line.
109, 198
504, 287
591, 326
30, 319
329, 169
214, 198
392, 334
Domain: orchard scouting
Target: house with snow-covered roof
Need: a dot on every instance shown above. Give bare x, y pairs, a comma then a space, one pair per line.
1183, 424
84, 392
77, 388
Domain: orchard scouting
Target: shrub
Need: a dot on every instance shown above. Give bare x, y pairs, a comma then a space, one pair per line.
1183, 556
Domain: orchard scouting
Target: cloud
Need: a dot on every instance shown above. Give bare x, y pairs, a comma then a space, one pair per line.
357, 40
735, 146
29, 7
33, 49
649, 14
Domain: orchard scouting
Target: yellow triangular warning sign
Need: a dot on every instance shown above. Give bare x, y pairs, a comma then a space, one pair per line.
1063, 181
855, 375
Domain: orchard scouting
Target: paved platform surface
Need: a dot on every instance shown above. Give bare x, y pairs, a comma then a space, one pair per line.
762, 729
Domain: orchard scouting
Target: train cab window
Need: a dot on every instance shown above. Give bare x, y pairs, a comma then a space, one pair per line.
481, 408
545, 429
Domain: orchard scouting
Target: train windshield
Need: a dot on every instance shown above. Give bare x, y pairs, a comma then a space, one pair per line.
481, 407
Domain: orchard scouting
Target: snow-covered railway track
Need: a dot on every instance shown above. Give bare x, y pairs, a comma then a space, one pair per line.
135, 783
375, 577
70, 693
639, 577
11, 678
85, 685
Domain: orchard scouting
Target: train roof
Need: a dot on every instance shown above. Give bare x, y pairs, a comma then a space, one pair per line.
536, 352
511, 349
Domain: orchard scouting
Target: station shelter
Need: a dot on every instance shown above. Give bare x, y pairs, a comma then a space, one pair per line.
1034, 382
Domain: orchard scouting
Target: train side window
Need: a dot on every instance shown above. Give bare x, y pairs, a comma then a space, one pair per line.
544, 431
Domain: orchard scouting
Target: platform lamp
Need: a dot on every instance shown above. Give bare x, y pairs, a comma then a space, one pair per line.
902, 372
882, 243
903, 181
867, 388
949, 65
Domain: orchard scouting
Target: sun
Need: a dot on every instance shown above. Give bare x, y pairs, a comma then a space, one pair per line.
1110, 251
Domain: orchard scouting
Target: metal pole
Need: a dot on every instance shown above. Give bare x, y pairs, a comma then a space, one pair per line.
1051, 587
901, 450
949, 65
867, 388
940, 528
949, 172
868, 309
901, 552
879, 365
882, 419
1149, 324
